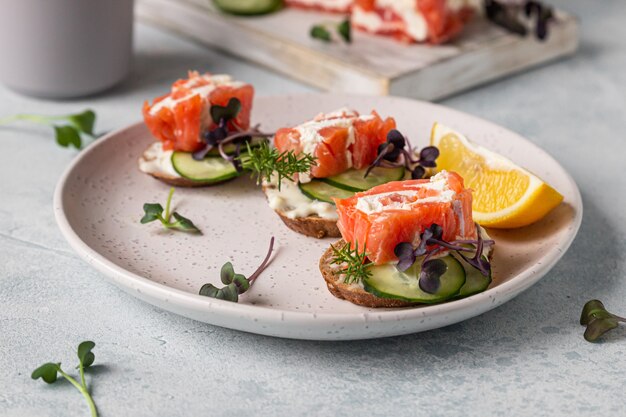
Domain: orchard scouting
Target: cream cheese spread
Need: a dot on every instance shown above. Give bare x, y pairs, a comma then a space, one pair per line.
293, 204
156, 160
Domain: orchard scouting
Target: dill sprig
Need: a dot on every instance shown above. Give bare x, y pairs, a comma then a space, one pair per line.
356, 267
266, 162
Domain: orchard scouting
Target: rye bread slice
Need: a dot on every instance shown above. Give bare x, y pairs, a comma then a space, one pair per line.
313, 226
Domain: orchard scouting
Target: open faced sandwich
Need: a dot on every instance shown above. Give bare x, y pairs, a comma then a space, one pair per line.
343, 144
408, 242
188, 122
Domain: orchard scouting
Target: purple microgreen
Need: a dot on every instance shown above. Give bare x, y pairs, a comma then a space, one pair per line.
202, 153
396, 138
598, 320
383, 150
428, 157
432, 243
49, 372
235, 284
394, 153
430, 275
418, 173
155, 211
221, 114
406, 256
353, 263
267, 163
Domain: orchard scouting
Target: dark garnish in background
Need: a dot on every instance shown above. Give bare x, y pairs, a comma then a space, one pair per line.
512, 16
324, 31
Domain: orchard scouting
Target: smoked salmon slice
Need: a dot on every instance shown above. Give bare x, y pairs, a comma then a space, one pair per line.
179, 118
430, 21
400, 211
332, 6
339, 140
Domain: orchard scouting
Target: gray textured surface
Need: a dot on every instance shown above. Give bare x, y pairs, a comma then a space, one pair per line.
527, 357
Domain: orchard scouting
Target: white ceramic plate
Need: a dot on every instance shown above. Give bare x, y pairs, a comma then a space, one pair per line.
98, 204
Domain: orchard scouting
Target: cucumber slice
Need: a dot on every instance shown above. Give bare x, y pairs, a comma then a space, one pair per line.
248, 7
318, 190
354, 180
209, 170
475, 282
387, 282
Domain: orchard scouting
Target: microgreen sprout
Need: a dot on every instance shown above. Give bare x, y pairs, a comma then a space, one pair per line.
353, 263
394, 153
510, 16
266, 163
235, 284
155, 211
227, 133
598, 320
50, 371
67, 128
324, 31
432, 243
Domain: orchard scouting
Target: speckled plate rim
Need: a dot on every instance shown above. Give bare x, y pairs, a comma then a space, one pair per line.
304, 325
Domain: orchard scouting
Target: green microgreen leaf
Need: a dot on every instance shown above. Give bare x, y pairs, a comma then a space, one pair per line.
598, 320
183, 224
67, 135
241, 282
325, 31
354, 263
321, 33
155, 211
227, 273
266, 162
345, 30
152, 212
48, 372
83, 122
226, 113
67, 128
85, 355
235, 284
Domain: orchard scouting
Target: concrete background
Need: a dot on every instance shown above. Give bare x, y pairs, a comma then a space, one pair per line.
527, 357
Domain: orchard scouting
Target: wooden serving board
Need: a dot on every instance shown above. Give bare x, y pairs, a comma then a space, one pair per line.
370, 64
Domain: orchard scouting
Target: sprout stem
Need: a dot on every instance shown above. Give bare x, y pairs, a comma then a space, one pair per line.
263, 264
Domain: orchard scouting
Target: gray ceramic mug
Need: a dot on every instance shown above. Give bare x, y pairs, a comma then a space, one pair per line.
64, 48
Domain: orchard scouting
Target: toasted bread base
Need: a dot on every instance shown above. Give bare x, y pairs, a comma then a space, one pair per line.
313, 226
172, 180
350, 292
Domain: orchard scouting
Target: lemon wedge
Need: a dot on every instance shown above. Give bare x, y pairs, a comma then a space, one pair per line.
505, 195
